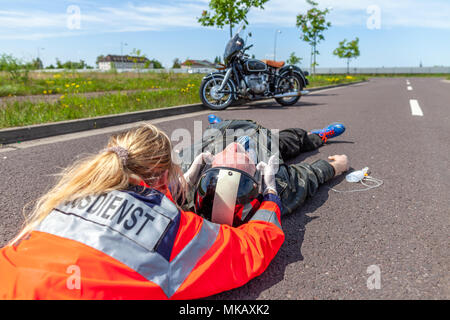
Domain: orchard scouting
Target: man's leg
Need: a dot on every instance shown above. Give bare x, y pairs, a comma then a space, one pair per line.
294, 141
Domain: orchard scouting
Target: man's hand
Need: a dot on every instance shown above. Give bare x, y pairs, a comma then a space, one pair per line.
193, 172
340, 163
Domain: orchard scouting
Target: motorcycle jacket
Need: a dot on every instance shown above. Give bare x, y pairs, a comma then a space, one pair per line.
293, 182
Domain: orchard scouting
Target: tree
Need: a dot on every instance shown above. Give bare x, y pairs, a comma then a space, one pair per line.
37, 64
99, 58
228, 12
293, 59
347, 50
176, 63
218, 59
313, 25
156, 64
71, 64
137, 58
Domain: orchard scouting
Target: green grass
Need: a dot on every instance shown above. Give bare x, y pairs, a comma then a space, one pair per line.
70, 83
326, 80
77, 106
71, 104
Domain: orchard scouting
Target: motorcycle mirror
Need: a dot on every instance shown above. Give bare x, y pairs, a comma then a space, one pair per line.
241, 27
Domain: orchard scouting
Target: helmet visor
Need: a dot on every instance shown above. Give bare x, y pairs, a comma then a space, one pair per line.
221, 191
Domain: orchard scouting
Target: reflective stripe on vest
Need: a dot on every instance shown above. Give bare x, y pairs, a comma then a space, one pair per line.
266, 215
130, 230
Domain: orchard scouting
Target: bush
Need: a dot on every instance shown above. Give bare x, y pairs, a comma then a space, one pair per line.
17, 70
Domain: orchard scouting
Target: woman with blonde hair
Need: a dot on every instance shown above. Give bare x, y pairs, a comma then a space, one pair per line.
111, 228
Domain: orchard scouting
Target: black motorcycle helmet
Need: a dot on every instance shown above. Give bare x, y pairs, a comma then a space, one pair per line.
226, 195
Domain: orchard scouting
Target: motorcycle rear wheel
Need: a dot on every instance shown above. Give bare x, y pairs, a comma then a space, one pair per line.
297, 87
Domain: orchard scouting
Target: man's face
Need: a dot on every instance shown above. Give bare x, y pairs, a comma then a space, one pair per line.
235, 156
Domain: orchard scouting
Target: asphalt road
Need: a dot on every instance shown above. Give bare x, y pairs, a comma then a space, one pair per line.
336, 241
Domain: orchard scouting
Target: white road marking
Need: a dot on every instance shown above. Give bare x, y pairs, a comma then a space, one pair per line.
415, 108
409, 88
407, 82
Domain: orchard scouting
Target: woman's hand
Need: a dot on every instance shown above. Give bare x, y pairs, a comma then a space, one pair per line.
193, 172
340, 163
268, 170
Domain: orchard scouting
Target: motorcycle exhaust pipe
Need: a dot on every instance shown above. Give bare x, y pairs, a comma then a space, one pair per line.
288, 94
291, 94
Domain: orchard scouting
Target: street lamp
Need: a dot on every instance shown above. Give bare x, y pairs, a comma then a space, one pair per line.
121, 47
38, 52
275, 45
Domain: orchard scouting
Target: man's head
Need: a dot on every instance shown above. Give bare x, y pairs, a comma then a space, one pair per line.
235, 156
227, 192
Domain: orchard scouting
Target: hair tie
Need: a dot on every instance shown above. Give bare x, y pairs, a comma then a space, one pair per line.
122, 153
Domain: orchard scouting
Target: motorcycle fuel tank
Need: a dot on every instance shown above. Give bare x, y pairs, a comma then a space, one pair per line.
254, 65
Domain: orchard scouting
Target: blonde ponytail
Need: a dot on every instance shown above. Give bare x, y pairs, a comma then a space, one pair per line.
148, 157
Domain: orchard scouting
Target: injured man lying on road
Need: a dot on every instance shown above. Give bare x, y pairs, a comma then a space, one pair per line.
239, 161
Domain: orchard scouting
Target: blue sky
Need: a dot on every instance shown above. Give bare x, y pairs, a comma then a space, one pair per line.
392, 33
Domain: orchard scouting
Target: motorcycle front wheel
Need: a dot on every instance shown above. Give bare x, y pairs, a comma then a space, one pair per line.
210, 96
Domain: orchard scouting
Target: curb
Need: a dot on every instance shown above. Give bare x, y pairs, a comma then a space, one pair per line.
38, 131
335, 86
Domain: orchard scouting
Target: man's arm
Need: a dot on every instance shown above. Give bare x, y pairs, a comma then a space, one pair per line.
303, 180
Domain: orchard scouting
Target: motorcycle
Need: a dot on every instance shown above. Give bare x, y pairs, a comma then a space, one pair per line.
251, 79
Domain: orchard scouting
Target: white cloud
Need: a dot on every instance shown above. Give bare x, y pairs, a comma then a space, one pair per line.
399, 13
151, 16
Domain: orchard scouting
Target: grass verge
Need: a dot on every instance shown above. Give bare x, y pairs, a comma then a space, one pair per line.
73, 83
72, 105
76, 106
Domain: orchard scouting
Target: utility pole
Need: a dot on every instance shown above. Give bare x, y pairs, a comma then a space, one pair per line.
275, 45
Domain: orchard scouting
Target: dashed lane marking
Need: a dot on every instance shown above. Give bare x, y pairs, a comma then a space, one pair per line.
415, 108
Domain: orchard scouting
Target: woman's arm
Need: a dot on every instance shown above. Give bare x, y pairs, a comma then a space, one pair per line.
237, 254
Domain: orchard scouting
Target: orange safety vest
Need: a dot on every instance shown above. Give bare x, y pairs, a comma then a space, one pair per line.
128, 245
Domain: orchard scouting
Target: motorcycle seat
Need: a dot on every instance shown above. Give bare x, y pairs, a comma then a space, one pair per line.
274, 64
